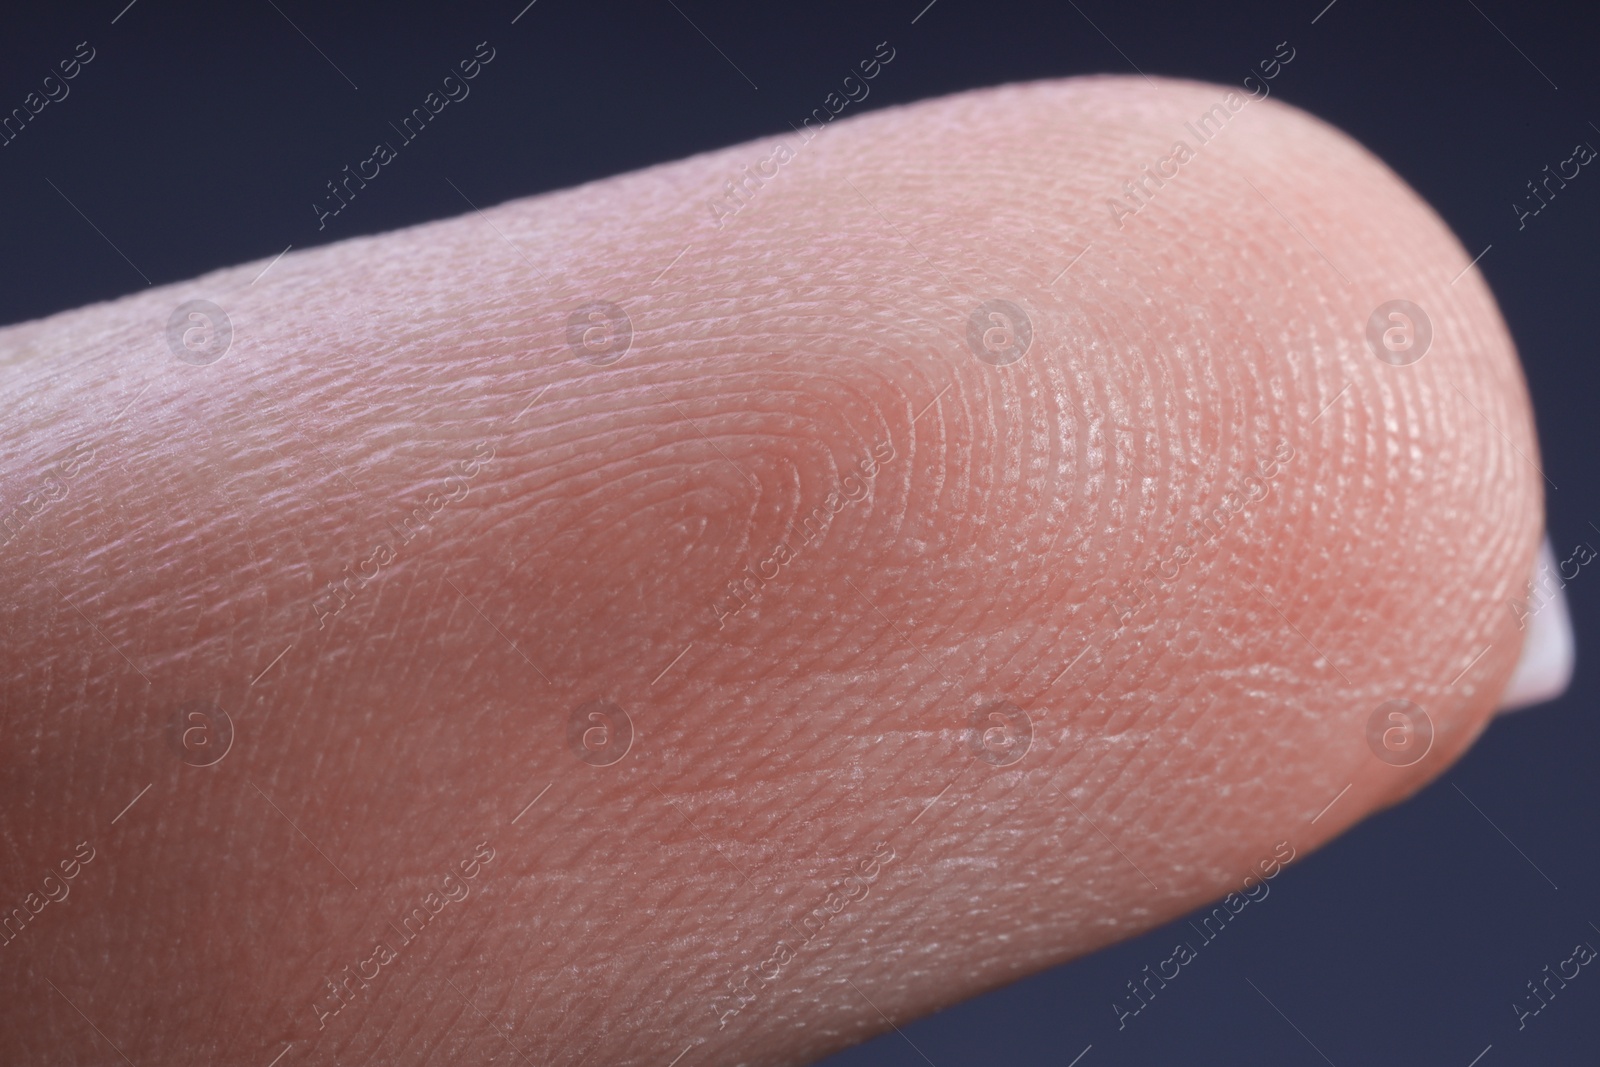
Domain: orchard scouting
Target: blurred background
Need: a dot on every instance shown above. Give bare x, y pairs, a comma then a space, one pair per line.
195, 137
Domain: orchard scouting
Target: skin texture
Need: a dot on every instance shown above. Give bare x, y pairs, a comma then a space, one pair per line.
1163, 753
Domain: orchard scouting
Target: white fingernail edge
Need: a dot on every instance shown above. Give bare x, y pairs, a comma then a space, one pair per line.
1545, 668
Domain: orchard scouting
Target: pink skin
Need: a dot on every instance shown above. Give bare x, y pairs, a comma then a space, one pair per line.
807, 829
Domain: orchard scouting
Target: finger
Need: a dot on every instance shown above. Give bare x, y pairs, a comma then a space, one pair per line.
990, 533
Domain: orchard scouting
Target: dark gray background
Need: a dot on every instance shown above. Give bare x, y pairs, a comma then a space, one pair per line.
200, 136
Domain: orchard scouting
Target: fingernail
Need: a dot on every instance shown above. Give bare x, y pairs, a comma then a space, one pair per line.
1545, 667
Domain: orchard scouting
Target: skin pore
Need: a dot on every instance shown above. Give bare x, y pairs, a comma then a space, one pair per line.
805, 662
